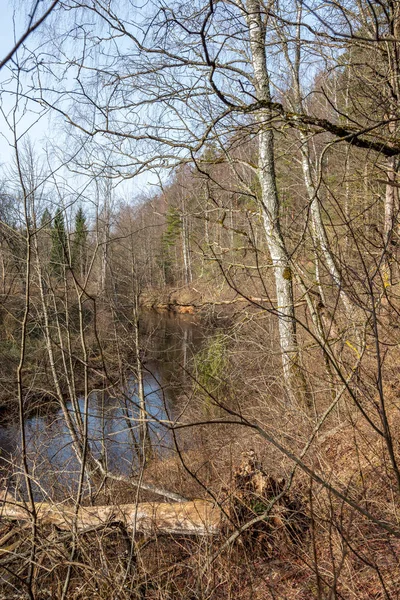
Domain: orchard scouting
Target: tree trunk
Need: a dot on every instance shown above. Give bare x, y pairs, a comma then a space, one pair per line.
293, 375
322, 247
197, 517
391, 204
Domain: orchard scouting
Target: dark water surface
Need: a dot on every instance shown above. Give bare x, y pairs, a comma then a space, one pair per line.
169, 343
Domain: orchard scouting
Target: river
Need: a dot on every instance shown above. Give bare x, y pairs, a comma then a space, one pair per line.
170, 342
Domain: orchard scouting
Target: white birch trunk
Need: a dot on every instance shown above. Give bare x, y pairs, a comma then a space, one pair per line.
73, 427
391, 204
144, 435
293, 376
321, 241
320, 238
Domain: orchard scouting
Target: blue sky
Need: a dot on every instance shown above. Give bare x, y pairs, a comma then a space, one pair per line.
14, 17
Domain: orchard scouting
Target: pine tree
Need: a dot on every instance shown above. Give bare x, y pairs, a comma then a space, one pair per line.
45, 221
79, 243
59, 249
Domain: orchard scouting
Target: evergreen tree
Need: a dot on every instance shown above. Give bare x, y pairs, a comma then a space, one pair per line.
45, 221
59, 250
79, 243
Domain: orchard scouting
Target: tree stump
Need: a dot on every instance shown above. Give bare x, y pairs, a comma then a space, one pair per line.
257, 495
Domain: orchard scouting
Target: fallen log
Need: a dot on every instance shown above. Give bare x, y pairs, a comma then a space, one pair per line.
255, 494
197, 517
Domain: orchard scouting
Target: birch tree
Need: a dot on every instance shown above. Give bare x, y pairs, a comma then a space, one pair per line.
270, 202
148, 89
293, 51
189, 80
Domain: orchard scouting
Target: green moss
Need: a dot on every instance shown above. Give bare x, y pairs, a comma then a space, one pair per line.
287, 273
258, 507
210, 367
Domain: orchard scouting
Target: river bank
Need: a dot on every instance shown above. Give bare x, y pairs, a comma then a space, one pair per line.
169, 342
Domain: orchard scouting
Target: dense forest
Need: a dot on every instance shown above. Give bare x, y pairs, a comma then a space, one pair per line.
199, 301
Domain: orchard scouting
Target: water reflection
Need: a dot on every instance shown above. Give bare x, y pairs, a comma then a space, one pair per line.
112, 422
